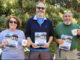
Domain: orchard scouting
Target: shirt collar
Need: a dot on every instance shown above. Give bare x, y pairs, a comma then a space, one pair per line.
35, 18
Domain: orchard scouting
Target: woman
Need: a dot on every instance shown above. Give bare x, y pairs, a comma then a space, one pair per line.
11, 40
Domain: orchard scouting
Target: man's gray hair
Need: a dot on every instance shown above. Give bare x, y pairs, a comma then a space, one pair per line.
40, 2
66, 12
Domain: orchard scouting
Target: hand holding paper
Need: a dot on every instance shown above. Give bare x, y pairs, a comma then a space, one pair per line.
46, 46
4, 42
78, 32
60, 41
35, 46
65, 46
24, 42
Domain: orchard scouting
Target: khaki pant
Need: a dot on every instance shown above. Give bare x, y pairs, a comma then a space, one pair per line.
66, 55
39, 55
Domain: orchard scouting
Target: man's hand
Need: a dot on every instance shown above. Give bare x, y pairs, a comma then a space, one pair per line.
78, 32
34, 46
46, 46
49, 42
59, 41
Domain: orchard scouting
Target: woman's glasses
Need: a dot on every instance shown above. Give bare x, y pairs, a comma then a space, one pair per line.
13, 22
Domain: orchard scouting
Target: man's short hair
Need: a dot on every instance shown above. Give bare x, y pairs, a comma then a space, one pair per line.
40, 2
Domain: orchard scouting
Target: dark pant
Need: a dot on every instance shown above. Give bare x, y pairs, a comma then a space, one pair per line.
39, 55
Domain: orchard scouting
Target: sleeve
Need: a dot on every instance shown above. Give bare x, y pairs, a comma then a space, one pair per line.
51, 32
55, 33
23, 35
1, 37
27, 29
78, 26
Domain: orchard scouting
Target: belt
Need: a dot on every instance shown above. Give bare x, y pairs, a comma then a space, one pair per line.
68, 50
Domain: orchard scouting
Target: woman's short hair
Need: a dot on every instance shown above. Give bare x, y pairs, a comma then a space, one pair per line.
17, 19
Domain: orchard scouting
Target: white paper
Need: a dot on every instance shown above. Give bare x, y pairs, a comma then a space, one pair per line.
74, 32
40, 39
12, 42
67, 42
65, 45
24, 42
12, 39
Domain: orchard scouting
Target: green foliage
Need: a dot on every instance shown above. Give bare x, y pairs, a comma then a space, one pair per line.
62, 10
53, 47
74, 4
2, 22
76, 14
78, 21
52, 2
28, 6
6, 6
55, 19
53, 14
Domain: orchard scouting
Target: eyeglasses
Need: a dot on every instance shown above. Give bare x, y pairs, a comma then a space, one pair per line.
41, 8
13, 22
67, 11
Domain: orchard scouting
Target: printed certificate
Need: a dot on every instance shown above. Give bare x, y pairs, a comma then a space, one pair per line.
67, 42
40, 39
12, 40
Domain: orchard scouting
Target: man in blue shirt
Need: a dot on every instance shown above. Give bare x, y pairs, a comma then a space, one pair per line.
39, 32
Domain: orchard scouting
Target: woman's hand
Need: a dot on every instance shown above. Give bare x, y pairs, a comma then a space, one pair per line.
4, 42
